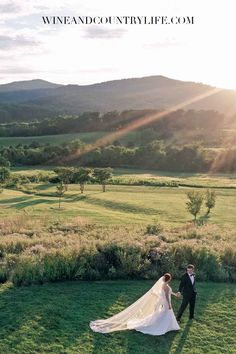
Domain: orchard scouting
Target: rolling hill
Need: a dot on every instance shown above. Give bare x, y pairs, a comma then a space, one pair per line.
27, 85
153, 92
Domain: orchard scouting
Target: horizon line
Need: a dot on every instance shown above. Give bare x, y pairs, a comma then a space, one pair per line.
120, 79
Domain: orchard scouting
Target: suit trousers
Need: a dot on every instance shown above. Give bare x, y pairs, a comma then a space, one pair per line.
187, 299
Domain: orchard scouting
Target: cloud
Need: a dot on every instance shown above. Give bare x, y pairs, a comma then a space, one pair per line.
18, 9
9, 7
8, 42
102, 33
16, 70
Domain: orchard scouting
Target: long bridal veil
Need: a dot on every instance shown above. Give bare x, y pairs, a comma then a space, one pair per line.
135, 314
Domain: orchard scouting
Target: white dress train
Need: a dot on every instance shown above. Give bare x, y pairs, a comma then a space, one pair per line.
162, 320
150, 314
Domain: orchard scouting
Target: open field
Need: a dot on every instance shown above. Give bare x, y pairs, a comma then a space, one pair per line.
228, 138
40, 242
53, 318
60, 138
119, 205
129, 175
103, 236
52, 139
217, 180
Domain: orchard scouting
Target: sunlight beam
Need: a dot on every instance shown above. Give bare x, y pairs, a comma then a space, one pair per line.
111, 137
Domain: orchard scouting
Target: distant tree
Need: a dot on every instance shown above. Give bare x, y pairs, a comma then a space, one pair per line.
61, 189
4, 162
151, 155
65, 175
194, 203
210, 200
146, 136
102, 176
34, 144
82, 175
4, 174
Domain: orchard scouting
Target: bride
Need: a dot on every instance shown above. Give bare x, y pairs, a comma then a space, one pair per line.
150, 314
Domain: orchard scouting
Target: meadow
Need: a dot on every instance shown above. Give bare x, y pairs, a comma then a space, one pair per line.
204, 180
133, 176
61, 267
46, 139
118, 205
88, 138
42, 242
103, 236
54, 318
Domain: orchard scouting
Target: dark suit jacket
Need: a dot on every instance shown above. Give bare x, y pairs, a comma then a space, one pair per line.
186, 288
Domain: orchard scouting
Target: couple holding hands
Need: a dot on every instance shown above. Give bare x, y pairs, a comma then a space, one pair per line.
152, 313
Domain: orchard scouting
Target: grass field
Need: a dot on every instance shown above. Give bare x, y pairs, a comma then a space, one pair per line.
60, 138
128, 175
120, 204
180, 138
54, 318
192, 179
52, 139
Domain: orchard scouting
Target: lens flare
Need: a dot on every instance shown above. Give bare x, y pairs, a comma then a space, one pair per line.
138, 123
225, 159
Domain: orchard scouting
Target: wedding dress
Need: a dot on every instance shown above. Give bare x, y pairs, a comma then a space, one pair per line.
150, 314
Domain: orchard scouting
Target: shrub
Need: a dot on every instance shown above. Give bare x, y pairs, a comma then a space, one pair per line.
155, 229
54, 179
4, 274
4, 174
27, 271
88, 252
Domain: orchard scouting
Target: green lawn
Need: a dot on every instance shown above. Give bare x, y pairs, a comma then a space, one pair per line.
61, 138
54, 318
52, 139
120, 204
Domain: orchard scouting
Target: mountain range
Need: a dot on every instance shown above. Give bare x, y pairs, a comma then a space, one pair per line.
45, 99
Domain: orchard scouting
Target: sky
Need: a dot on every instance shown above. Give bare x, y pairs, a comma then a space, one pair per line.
86, 54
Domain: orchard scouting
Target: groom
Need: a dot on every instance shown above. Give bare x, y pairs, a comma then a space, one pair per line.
188, 290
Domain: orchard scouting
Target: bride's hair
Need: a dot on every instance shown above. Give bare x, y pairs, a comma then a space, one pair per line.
167, 277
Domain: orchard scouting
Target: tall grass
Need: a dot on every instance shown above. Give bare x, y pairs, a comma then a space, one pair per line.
78, 250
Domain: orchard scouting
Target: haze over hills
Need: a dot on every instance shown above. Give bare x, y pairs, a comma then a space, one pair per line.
153, 92
27, 85
23, 91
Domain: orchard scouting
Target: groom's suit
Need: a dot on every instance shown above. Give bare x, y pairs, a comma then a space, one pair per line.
187, 288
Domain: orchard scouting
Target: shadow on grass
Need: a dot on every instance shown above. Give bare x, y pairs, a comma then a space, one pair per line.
42, 187
55, 318
122, 207
182, 339
27, 201
52, 317
31, 200
15, 200
34, 202
75, 198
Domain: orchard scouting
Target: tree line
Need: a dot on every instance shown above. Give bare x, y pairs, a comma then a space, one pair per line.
154, 155
204, 120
